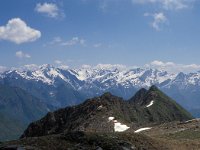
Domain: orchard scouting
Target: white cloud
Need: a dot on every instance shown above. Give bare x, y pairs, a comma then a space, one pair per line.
158, 20
17, 31
160, 65
97, 45
74, 41
164, 5
168, 4
49, 9
103, 5
21, 54
64, 67
3, 69
111, 66
58, 62
61, 65
82, 41
30, 67
56, 40
173, 67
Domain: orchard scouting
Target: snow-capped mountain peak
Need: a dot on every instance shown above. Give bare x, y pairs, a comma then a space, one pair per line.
93, 81
105, 76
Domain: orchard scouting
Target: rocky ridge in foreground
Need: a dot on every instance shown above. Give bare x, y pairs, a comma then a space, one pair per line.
109, 113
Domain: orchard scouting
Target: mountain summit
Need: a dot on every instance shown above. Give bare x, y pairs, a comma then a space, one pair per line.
109, 113
155, 106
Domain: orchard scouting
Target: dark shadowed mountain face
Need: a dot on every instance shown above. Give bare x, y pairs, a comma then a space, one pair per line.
97, 114
17, 110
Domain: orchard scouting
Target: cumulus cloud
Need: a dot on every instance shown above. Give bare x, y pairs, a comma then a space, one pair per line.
168, 4
173, 67
158, 19
49, 9
21, 54
17, 31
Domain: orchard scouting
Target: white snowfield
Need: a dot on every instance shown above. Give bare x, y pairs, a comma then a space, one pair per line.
100, 107
196, 119
111, 118
118, 127
142, 129
150, 104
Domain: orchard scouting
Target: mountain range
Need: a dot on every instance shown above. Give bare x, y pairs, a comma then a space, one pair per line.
28, 94
62, 87
110, 122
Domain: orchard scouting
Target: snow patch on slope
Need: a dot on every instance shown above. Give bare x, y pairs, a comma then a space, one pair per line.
118, 126
193, 120
150, 104
142, 129
111, 118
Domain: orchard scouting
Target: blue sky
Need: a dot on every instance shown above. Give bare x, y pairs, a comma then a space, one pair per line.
76, 32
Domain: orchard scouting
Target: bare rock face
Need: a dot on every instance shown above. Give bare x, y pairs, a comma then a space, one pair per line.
146, 107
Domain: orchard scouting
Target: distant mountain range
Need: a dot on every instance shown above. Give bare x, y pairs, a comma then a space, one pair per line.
61, 87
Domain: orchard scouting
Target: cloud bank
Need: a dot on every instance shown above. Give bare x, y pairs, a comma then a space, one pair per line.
173, 67
170, 67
